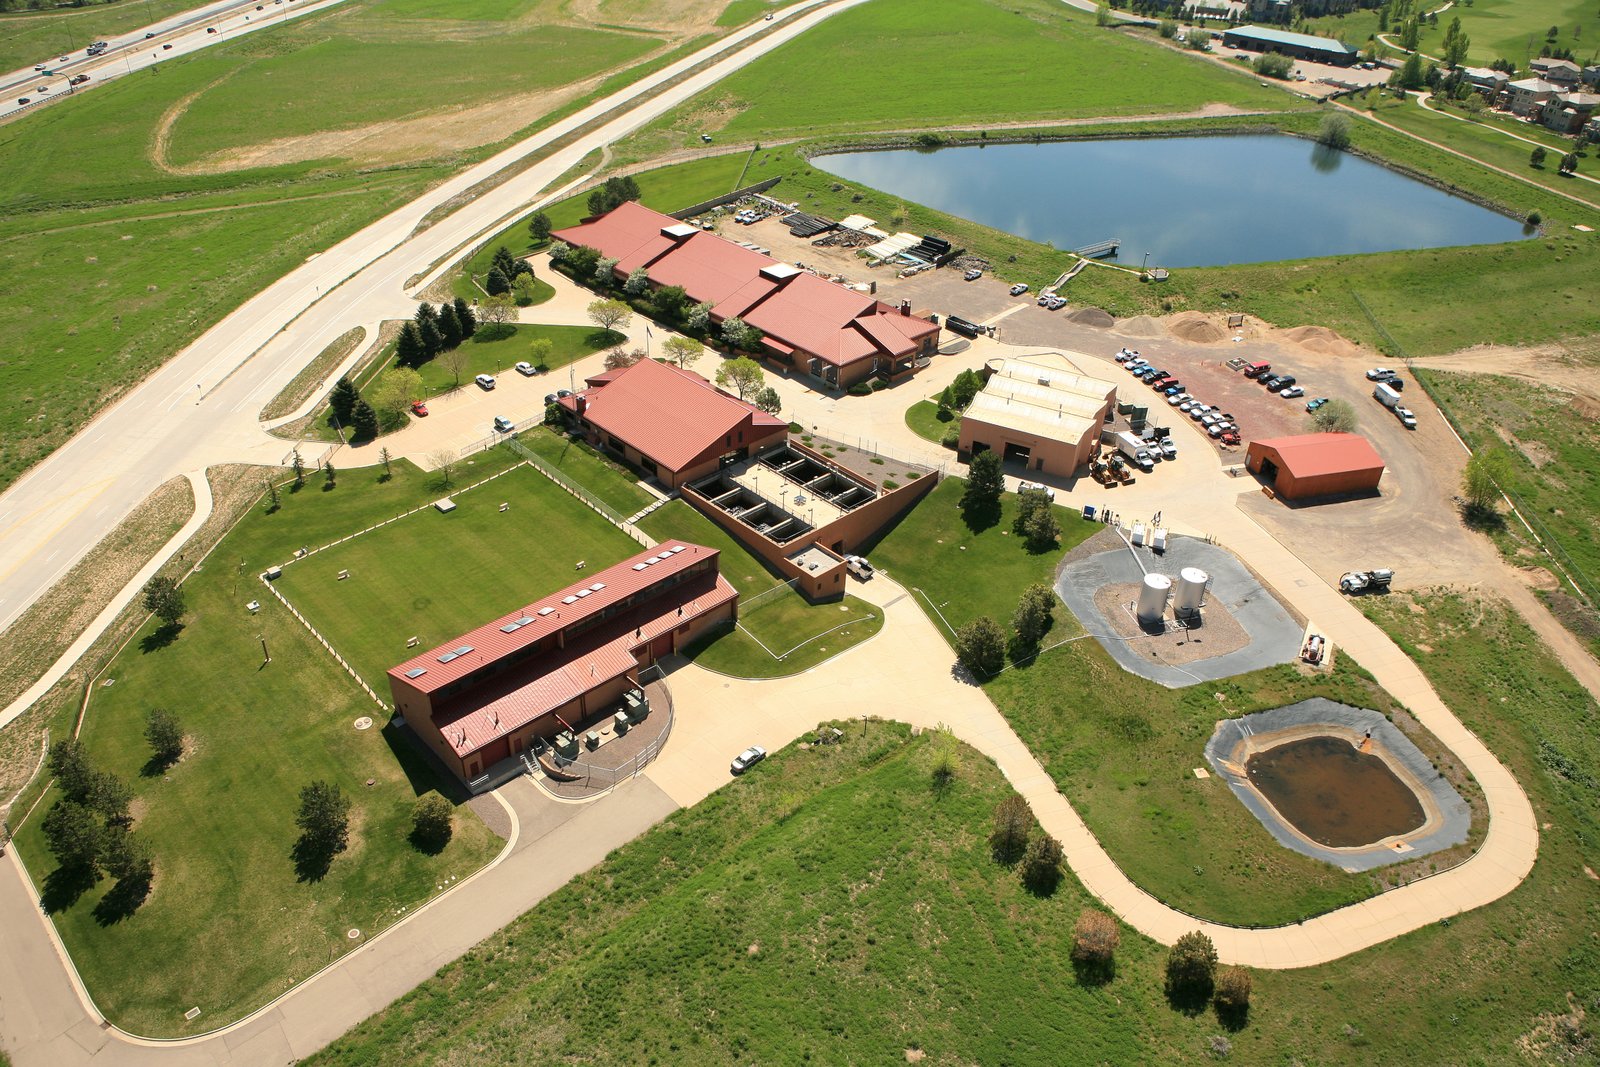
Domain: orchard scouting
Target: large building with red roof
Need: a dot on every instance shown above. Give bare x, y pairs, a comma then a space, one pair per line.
484, 696
1316, 465
670, 422
815, 326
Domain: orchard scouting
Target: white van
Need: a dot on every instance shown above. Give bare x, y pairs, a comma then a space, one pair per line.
485, 381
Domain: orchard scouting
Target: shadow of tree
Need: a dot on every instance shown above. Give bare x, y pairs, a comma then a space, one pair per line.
1232, 1017
981, 517
160, 637
312, 859
1190, 998
64, 885
1043, 884
123, 899
1093, 973
429, 844
155, 766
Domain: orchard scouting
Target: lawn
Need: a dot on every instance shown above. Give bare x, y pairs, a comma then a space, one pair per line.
434, 576
486, 354
1122, 749
780, 620
838, 881
1026, 60
611, 483
229, 925
1516, 29
928, 422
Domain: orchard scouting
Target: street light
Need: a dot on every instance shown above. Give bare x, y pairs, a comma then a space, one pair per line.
1146, 261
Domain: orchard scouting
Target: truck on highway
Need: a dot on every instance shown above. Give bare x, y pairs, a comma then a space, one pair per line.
97, 48
1386, 395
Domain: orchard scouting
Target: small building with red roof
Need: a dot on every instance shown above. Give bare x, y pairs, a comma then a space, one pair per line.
1316, 465
815, 326
483, 697
670, 422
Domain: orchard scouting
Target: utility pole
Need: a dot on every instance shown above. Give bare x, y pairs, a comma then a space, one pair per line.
266, 657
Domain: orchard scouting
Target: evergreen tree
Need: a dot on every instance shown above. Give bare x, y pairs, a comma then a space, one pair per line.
365, 421
539, 227
465, 316
343, 399
981, 647
505, 261
74, 836
1033, 616
408, 351
69, 766
450, 326
984, 486
428, 329
497, 283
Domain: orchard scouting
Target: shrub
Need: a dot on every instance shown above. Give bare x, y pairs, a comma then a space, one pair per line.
1012, 821
1095, 938
1273, 65
860, 389
981, 646
1041, 865
951, 437
1233, 989
432, 823
1033, 617
1191, 968
879, 384
1334, 131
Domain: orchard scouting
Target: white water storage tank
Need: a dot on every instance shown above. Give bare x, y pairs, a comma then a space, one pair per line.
1191, 592
1153, 597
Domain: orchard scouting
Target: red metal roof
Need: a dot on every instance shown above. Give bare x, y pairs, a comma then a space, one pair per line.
709, 268
630, 233
560, 676
493, 641
1314, 454
669, 414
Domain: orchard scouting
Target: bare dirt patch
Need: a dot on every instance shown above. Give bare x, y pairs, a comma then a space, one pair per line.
1578, 360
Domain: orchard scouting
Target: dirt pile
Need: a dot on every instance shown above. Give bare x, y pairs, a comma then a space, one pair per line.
1141, 326
1093, 317
1196, 328
1322, 340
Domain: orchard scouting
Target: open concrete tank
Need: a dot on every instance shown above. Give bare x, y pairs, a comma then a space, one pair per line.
1190, 595
1153, 597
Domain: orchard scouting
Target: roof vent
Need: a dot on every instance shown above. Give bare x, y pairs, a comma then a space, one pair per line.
680, 231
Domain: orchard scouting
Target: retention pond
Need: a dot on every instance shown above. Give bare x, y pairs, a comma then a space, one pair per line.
1335, 793
1187, 201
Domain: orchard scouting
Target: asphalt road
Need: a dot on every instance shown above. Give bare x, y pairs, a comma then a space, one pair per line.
145, 47
201, 407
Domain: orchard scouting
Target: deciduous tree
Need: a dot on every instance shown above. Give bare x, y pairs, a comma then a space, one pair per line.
1536, 158
743, 375
540, 350
432, 823
1480, 480
1041, 865
981, 647
698, 317
1336, 416
1233, 989
456, 361
1012, 824
74, 835
69, 766
391, 395
1035, 611
638, 282
682, 351
769, 401
324, 818
524, 290
1095, 938
444, 460
498, 311
620, 357
164, 733
1334, 130
164, 599
610, 315
670, 301
738, 333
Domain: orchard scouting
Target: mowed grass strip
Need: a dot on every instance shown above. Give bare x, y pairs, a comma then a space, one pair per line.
781, 620
613, 484
433, 576
229, 925
1123, 749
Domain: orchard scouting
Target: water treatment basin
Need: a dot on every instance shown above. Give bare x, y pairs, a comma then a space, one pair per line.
1336, 791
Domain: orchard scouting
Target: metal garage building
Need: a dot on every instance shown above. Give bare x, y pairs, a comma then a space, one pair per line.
1040, 412
1317, 464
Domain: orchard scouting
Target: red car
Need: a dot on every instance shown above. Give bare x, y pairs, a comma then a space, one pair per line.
419, 409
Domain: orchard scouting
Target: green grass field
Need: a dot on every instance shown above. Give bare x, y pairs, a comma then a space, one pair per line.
1029, 60
29, 37
611, 483
780, 620
923, 418
228, 925
838, 879
1516, 29
434, 576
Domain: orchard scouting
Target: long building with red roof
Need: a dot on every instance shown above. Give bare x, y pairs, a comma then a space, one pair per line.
484, 696
815, 326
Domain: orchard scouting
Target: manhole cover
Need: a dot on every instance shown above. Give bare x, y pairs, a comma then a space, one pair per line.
364, 723
353, 934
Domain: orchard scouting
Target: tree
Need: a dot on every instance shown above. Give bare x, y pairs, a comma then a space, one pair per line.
698, 317
1480, 481
74, 836
743, 375
539, 352
109, 797
981, 647
1034, 614
524, 290
1199, 40
553, 414
384, 458
505, 262
365, 421
444, 461
613, 193
738, 333
330, 477
769, 401
324, 818
1456, 44
1012, 823
682, 351
1410, 75
1233, 990
164, 733
1569, 163
1036, 522
69, 766
408, 350
1041, 865
610, 315
450, 326
297, 465
1410, 35
498, 311
464, 315
164, 600
1536, 158
428, 329
1191, 968
1273, 65
1336, 416
432, 823
1095, 938
343, 400
391, 395
984, 486
496, 283
272, 497
605, 271
967, 385
456, 361
539, 227
620, 357
127, 858
638, 282
947, 401
670, 301
1334, 130
581, 261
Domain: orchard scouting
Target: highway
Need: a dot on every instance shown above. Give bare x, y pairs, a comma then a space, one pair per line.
144, 48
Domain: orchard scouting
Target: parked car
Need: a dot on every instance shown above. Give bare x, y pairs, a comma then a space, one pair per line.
1200, 411
1317, 403
1168, 449
1256, 370
1407, 419
859, 568
1126, 354
1178, 398
550, 398
502, 424
1134, 366
748, 758
1144, 462
1018, 289
1280, 384
485, 381
1188, 405
419, 409
1395, 382
1036, 487
1175, 389
1292, 392
1378, 373
972, 275
526, 369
